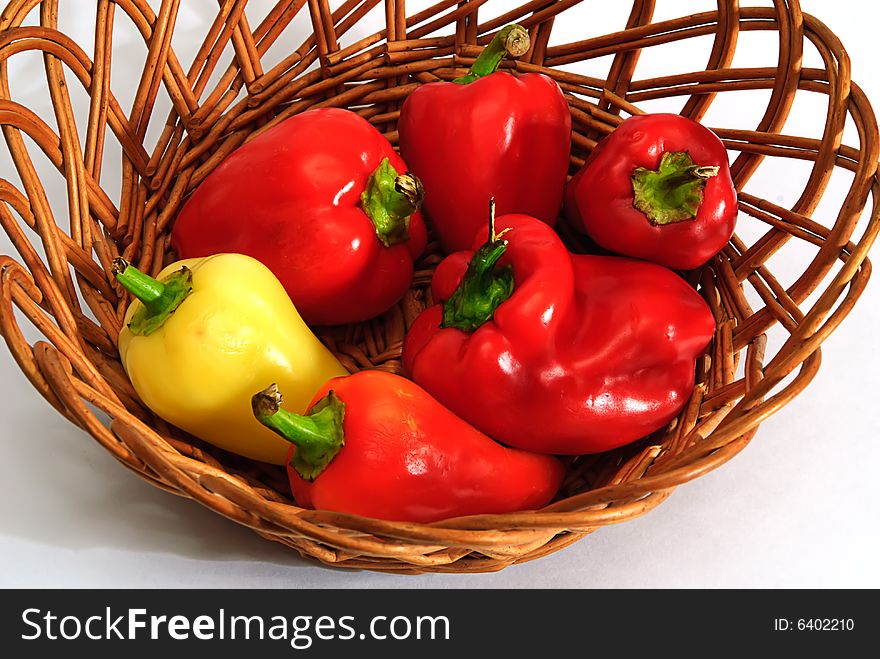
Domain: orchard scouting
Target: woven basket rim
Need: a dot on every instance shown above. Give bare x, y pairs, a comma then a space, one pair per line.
76, 366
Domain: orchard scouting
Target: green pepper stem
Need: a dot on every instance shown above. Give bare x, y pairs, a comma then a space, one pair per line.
513, 41
389, 200
318, 436
159, 298
674, 192
141, 285
484, 287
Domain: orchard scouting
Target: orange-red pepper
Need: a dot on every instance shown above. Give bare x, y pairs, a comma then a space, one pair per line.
377, 445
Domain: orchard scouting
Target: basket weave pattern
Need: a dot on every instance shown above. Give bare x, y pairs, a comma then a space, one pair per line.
60, 280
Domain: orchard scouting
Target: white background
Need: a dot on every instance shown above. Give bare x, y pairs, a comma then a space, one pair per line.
795, 509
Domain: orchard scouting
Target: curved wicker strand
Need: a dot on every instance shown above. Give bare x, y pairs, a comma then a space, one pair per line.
721, 57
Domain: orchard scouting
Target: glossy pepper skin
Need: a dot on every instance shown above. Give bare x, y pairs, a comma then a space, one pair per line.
324, 201
377, 445
489, 134
205, 334
658, 188
555, 352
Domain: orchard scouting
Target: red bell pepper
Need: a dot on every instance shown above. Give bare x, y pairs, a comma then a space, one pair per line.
657, 188
321, 199
556, 352
488, 134
377, 445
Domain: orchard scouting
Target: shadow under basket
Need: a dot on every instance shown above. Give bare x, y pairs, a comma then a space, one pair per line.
61, 281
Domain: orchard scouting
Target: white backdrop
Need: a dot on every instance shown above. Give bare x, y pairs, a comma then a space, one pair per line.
795, 509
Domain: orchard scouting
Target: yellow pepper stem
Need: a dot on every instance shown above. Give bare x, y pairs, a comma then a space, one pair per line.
159, 298
318, 436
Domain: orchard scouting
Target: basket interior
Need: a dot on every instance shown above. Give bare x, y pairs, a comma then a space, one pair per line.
128, 118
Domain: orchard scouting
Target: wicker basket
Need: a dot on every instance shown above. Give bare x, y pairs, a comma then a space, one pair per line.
61, 282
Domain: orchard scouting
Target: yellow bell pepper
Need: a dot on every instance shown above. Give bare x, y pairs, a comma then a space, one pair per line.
205, 335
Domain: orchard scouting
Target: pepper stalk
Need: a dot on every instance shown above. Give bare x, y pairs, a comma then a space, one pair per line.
389, 200
318, 436
672, 193
484, 287
160, 298
511, 41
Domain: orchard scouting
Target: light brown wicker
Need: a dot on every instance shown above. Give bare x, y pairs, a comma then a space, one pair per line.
61, 282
